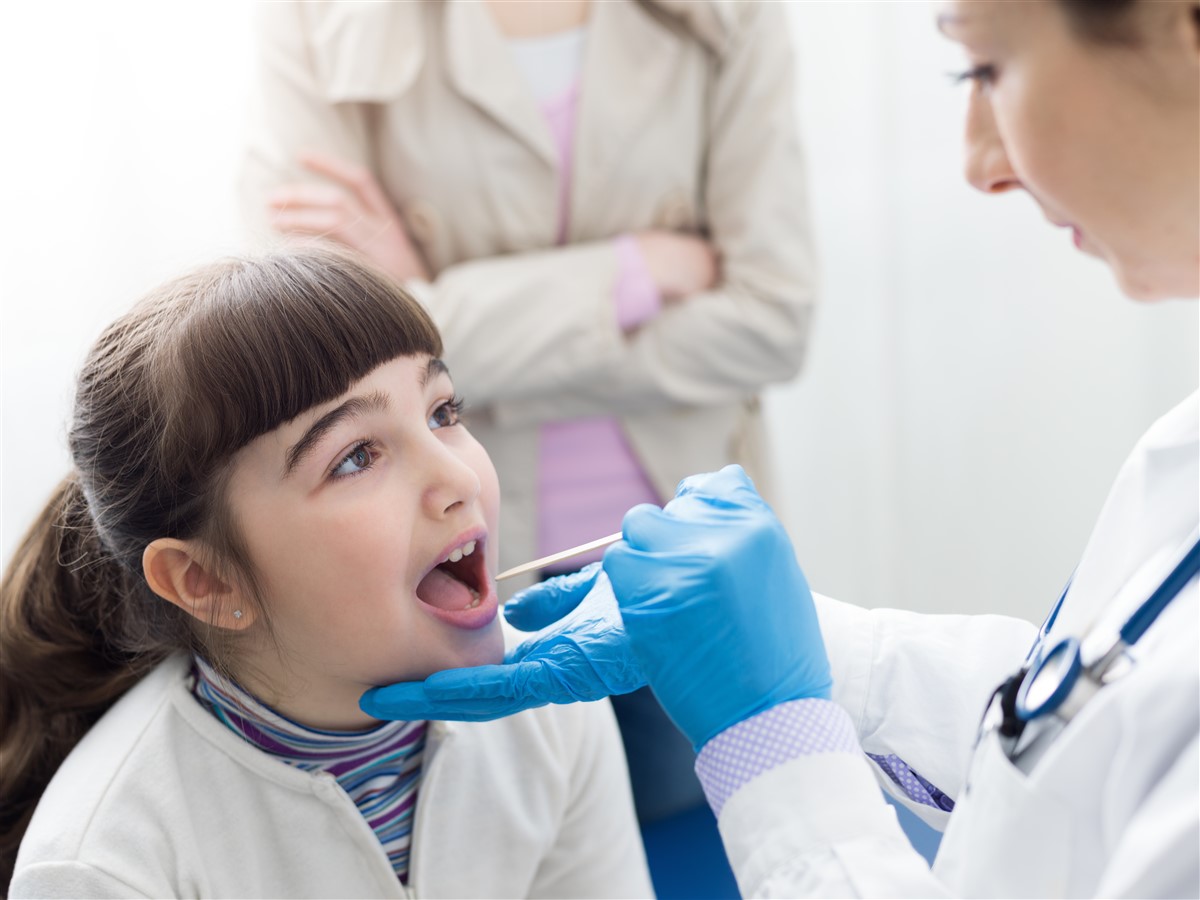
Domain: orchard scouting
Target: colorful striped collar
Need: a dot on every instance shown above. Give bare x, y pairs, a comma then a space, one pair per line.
379, 768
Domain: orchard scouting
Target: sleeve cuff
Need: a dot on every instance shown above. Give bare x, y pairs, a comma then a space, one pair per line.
754, 746
635, 294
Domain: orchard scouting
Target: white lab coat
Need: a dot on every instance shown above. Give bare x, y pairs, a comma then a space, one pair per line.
1113, 806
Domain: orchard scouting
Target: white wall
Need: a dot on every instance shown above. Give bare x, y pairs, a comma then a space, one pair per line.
120, 175
973, 384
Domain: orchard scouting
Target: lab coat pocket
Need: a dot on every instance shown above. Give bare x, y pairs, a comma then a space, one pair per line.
1007, 837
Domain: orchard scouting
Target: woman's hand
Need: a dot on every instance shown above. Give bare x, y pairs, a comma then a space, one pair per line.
353, 211
680, 264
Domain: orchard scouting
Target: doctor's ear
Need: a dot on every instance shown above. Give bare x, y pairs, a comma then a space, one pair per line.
177, 572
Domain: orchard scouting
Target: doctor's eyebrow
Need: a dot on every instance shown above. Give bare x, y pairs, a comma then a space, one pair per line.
354, 408
947, 22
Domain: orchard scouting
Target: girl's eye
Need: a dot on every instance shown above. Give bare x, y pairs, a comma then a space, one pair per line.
360, 458
982, 74
447, 414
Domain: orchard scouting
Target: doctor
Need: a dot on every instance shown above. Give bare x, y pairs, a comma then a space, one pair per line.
1083, 776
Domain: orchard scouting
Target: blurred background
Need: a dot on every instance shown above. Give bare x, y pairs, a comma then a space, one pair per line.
974, 383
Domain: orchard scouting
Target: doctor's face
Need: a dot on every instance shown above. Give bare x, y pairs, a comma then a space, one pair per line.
1104, 134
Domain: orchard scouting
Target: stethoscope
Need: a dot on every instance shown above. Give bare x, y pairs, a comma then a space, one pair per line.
1060, 682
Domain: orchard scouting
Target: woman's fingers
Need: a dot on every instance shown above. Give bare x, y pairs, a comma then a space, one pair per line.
355, 178
353, 210
303, 194
311, 220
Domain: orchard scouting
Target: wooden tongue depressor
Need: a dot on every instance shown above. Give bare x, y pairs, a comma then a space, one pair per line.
559, 557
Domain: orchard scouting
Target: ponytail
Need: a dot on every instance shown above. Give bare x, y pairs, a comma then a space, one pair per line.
59, 669
168, 394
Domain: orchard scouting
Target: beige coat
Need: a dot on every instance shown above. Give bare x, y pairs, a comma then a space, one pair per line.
685, 122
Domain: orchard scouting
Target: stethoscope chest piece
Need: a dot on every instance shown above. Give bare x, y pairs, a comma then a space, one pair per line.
1053, 684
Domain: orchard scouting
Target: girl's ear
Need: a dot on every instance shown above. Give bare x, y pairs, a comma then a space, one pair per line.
174, 571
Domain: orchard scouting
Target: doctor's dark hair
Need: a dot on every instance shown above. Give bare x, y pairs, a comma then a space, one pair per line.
1104, 21
170, 391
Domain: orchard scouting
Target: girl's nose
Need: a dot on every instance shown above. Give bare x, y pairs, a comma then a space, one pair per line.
987, 166
452, 483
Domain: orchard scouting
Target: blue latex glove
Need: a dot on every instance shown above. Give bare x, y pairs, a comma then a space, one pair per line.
580, 653
715, 606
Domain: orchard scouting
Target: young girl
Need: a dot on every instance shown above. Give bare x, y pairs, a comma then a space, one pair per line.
275, 507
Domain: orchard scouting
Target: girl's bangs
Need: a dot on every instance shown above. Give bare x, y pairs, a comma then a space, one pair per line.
276, 335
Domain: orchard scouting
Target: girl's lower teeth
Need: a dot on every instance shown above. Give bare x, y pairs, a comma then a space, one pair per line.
475, 599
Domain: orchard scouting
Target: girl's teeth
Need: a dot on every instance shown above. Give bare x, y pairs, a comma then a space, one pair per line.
458, 553
475, 598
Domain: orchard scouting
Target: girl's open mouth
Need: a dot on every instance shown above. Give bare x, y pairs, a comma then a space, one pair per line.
458, 589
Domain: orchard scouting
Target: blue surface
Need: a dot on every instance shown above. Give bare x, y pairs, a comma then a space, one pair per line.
920, 835
687, 859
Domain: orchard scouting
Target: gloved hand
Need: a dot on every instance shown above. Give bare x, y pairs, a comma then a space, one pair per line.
715, 606
579, 654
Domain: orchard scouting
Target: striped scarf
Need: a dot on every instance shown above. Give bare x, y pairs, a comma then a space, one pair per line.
379, 768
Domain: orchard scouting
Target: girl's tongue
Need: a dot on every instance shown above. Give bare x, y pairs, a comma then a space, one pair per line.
441, 589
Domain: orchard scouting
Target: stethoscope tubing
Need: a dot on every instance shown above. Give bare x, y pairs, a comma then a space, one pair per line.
1037, 697
1145, 614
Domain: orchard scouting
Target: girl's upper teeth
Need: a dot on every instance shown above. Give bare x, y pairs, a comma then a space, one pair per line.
459, 552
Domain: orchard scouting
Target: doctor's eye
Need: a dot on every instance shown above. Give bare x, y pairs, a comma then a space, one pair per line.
447, 413
983, 74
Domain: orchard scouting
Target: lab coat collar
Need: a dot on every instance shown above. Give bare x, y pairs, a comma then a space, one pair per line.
1146, 520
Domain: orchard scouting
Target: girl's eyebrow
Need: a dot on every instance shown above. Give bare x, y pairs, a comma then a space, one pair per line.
354, 408
433, 369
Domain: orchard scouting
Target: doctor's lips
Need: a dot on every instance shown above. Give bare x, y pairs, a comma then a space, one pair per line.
457, 588
1076, 234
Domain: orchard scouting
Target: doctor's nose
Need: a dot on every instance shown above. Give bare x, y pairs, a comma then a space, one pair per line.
987, 165
452, 484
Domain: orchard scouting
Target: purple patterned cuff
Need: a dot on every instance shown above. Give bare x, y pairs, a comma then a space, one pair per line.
917, 788
636, 296
748, 749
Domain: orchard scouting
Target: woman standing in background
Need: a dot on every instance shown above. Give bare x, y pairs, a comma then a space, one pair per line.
602, 206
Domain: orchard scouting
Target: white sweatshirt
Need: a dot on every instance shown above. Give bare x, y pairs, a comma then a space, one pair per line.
161, 800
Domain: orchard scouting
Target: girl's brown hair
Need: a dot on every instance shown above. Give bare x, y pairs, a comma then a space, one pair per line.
167, 395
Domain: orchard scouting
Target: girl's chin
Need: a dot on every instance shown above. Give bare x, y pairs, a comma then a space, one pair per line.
484, 647
487, 648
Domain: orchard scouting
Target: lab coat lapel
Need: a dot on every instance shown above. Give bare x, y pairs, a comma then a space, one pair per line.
481, 68
1149, 511
629, 63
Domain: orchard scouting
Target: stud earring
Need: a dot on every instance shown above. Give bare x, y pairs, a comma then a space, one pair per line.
237, 613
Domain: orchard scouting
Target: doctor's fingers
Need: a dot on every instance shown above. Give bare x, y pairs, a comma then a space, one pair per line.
690, 523
729, 488
477, 694
550, 600
356, 178
556, 673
